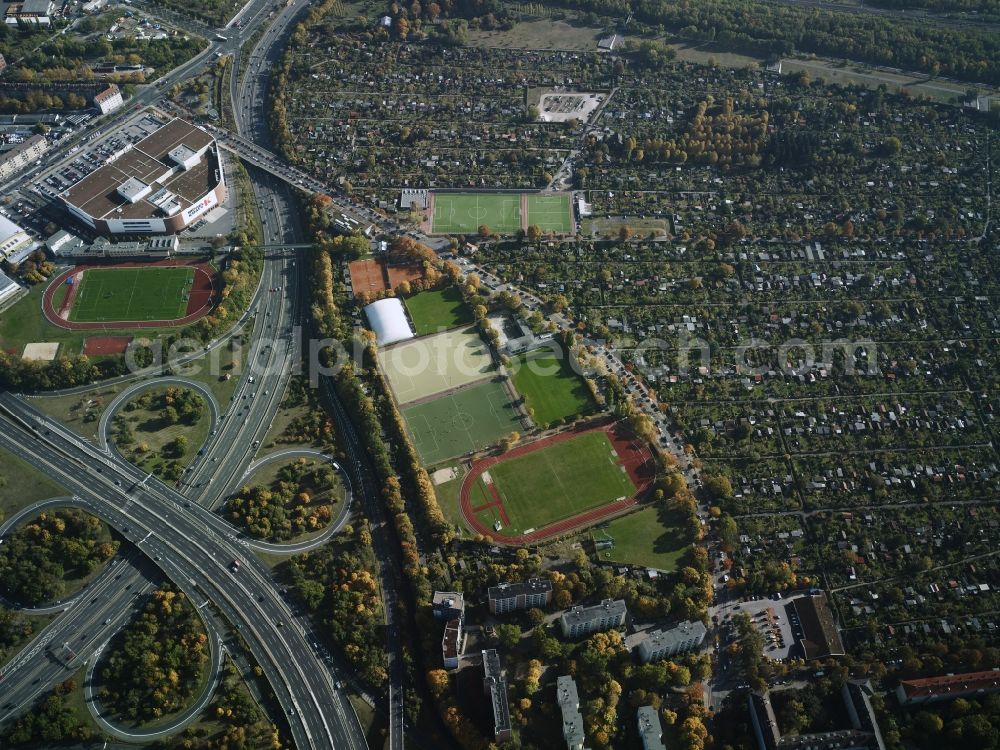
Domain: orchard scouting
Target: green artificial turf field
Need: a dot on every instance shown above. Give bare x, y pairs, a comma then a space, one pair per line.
464, 213
425, 366
551, 212
550, 387
559, 481
132, 294
436, 310
469, 419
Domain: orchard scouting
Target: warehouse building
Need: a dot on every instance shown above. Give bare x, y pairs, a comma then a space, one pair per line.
161, 185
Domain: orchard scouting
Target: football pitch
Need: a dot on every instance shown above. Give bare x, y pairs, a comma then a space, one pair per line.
559, 481
132, 294
551, 212
423, 367
470, 419
464, 213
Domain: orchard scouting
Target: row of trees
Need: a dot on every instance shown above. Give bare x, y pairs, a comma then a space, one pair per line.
770, 30
339, 585
40, 560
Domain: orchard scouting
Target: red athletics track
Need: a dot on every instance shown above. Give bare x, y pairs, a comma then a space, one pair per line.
203, 290
637, 460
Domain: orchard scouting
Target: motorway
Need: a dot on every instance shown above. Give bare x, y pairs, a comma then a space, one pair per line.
187, 541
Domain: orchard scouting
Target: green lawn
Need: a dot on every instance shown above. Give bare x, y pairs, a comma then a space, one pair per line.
550, 387
150, 431
642, 228
560, 481
464, 213
133, 293
448, 497
21, 484
470, 419
551, 212
435, 310
649, 537
80, 411
24, 323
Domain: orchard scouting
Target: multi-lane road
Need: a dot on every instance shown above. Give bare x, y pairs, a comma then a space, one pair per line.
179, 532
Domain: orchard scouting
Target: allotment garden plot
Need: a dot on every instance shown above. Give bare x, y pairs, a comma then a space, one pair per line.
466, 420
430, 365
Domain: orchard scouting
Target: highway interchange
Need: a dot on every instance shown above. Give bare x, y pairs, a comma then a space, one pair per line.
178, 532
177, 529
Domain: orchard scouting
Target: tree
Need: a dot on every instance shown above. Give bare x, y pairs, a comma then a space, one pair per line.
625, 233
534, 232
509, 635
718, 486
484, 230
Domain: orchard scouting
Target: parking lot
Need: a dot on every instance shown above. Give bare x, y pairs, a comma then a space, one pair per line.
98, 155
774, 618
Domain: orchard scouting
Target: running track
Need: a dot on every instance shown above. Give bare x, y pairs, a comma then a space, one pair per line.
637, 460
203, 290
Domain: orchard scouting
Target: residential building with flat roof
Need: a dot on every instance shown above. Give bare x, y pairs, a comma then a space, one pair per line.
159, 185
451, 643
650, 731
580, 621
495, 687
569, 704
662, 644
859, 732
507, 597
447, 605
29, 11
23, 155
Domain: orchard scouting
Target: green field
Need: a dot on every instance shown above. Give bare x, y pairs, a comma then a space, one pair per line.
464, 213
551, 212
435, 310
651, 537
559, 481
550, 387
466, 420
132, 294
428, 365
21, 484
